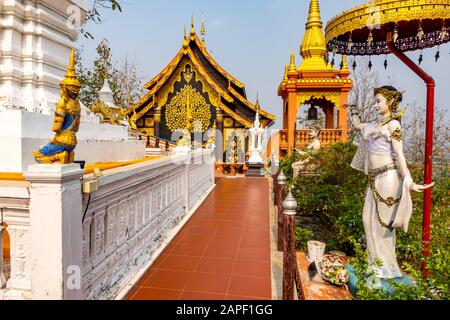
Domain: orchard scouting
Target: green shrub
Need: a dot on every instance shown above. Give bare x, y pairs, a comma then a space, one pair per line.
303, 235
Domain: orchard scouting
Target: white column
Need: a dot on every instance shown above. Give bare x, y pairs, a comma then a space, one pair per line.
56, 231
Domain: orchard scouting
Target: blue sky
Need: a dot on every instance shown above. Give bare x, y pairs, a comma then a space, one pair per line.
251, 39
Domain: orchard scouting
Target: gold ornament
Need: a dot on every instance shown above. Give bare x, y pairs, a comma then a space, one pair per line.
188, 110
397, 135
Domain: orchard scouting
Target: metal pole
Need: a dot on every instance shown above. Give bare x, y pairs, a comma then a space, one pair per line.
289, 256
428, 174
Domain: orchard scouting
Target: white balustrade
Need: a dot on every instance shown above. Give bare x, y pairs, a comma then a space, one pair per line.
14, 204
127, 223
132, 214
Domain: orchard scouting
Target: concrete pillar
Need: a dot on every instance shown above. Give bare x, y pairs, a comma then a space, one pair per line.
56, 231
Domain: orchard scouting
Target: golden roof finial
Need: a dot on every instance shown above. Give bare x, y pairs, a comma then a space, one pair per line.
292, 66
192, 25
344, 72
344, 62
215, 124
314, 15
286, 69
70, 79
313, 48
203, 30
185, 41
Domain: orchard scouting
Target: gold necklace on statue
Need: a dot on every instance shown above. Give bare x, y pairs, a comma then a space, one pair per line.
386, 121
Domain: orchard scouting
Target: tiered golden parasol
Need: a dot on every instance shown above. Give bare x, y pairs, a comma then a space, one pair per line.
397, 26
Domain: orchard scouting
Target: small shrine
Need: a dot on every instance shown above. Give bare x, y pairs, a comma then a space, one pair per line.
193, 91
314, 84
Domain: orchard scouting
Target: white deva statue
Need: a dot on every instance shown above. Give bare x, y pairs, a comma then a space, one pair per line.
388, 202
303, 165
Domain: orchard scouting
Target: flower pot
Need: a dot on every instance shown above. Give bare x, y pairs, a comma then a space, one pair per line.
316, 250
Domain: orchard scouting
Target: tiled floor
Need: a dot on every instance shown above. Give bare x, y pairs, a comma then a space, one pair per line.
222, 253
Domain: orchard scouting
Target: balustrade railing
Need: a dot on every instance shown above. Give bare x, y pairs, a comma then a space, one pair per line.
130, 217
327, 137
119, 231
15, 270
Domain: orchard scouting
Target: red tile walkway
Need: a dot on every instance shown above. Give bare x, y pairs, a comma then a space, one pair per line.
222, 253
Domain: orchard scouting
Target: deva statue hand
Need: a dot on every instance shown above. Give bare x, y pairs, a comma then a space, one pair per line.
420, 188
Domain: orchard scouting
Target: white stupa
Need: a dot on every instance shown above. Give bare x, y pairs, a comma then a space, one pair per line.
257, 133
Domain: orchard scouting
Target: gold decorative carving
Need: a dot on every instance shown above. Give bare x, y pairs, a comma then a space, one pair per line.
397, 135
385, 11
188, 106
228, 123
333, 97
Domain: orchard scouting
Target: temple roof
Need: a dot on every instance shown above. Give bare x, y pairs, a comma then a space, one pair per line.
232, 98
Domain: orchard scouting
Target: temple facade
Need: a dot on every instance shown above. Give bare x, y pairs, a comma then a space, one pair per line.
194, 92
315, 83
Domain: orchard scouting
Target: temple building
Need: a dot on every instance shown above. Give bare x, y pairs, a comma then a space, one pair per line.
193, 91
315, 83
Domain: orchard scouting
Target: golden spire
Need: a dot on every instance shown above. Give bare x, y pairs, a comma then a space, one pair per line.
285, 78
185, 41
292, 66
313, 48
314, 19
192, 25
344, 62
203, 30
70, 79
257, 102
344, 72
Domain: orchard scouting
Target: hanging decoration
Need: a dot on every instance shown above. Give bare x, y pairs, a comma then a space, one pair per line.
421, 57
420, 33
370, 39
370, 63
395, 35
385, 62
350, 43
312, 113
438, 54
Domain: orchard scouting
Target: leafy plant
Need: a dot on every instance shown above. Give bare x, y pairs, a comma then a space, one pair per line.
302, 236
